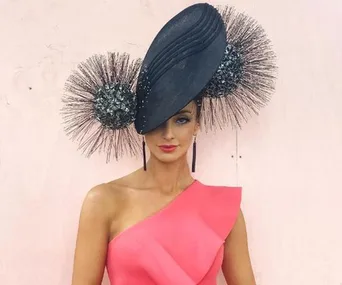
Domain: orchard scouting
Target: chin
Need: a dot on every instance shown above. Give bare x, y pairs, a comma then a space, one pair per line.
167, 157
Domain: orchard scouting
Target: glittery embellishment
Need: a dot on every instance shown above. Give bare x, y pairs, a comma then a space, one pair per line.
144, 83
143, 92
228, 75
115, 106
245, 79
100, 105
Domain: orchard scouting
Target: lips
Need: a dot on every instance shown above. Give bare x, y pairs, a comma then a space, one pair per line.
168, 148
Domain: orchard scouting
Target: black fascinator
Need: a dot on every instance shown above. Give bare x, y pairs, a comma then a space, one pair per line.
245, 79
215, 56
100, 105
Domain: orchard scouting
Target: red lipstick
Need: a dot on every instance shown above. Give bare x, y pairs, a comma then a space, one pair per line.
167, 148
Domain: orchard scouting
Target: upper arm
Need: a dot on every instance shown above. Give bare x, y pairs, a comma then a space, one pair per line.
92, 240
236, 267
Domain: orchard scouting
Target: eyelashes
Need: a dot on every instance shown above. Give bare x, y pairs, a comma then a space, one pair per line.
178, 121
182, 120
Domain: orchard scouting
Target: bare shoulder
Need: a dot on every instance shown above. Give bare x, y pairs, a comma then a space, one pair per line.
93, 234
114, 189
110, 197
95, 203
106, 197
102, 206
98, 195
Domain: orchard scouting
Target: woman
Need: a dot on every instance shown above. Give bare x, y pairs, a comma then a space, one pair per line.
158, 225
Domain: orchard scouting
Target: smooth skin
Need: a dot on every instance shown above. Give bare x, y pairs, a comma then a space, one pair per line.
109, 209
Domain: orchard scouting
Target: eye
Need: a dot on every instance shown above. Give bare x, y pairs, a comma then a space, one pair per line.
182, 120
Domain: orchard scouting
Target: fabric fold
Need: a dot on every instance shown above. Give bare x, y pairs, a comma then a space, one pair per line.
181, 244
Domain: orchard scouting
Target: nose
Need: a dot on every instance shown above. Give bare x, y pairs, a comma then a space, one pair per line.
167, 131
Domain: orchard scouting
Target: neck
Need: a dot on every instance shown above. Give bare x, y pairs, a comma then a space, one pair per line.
169, 177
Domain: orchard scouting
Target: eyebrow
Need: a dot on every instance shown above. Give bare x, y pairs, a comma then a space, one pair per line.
184, 111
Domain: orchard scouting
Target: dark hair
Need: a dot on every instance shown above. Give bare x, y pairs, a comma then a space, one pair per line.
198, 101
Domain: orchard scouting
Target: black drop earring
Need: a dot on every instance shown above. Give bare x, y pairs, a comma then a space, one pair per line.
144, 153
193, 168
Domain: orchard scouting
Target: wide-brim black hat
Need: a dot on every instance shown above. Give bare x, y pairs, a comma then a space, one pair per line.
213, 55
180, 62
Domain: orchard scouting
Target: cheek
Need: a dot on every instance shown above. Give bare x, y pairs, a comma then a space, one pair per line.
186, 136
151, 140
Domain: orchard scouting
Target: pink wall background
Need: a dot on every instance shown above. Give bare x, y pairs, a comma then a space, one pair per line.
290, 165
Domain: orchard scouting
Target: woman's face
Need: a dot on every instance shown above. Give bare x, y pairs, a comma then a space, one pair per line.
171, 141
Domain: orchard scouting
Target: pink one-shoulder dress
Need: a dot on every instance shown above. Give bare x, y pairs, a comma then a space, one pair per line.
182, 244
